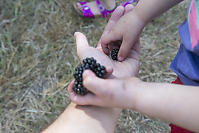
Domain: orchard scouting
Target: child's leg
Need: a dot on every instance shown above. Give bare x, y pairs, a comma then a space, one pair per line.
85, 119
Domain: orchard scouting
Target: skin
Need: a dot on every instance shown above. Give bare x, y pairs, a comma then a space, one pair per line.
85, 119
178, 104
93, 119
129, 27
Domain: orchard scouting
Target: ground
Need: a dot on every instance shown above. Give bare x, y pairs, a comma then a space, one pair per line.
38, 56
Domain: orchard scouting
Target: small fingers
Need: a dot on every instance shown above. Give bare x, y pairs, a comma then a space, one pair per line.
116, 15
107, 35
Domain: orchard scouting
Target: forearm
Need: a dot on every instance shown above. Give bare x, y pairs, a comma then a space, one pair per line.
174, 103
149, 9
85, 119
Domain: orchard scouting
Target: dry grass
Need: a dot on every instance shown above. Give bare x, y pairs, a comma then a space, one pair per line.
37, 58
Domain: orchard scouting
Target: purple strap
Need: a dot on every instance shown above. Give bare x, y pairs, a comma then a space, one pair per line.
103, 10
86, 10
88, 13
128, 2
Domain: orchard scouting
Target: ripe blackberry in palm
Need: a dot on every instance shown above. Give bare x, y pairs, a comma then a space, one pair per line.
114, 53
88, 63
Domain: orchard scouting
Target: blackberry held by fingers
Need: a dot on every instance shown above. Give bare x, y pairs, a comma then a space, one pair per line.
114, 53
91, 64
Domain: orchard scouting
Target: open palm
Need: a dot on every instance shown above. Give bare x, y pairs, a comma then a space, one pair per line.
127, 68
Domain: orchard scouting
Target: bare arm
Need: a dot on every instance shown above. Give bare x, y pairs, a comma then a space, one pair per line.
85, 119
178, 104
149, 9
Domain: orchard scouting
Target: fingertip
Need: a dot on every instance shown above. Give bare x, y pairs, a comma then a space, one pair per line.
72, 81
123, 52
119, 11
109, 70
77, 33
119, 7
128, 8
120, 58
125, 49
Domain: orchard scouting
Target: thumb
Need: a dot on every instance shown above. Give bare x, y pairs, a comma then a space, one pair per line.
81, 41
93, 83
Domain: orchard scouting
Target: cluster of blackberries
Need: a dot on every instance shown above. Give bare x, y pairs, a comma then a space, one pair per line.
114, 53
88, 63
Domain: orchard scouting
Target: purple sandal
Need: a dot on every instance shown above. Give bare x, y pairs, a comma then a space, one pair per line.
89, 14
86, 11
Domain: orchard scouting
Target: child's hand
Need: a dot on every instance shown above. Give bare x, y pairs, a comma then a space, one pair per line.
106, 92
127, 29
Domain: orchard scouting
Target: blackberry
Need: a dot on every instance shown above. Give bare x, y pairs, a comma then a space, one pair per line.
114, 53
91, 64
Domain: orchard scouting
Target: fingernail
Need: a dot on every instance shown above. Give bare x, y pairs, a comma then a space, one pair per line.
120, 58
108, 68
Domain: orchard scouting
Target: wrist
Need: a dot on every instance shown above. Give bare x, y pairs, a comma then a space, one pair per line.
141, 20
133, 86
